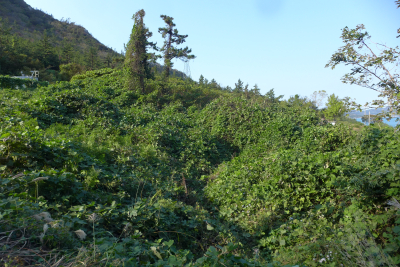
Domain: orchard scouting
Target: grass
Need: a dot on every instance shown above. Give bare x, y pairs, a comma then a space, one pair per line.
354, 124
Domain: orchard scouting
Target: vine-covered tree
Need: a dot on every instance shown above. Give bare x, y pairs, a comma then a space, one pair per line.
70, 69
136, 57
172, 38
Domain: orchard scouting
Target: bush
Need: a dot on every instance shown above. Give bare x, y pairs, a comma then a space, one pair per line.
15, 83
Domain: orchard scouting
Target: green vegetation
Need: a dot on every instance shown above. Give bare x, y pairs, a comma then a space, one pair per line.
369, 69
335, 108
171, 36
8, 82
117, 168
31, 39
188, 175
349, 122
136, 60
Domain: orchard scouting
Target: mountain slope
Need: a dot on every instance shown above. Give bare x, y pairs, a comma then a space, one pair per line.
28, 22
32, 39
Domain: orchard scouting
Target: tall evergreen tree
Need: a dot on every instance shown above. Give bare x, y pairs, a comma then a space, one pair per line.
172, 38
67, 51
255, 90
238, 87
92, 57
47, 55
201, 79
136, 57
4, 33
214, 84
246, 90
270, 96
4, 46
108, 60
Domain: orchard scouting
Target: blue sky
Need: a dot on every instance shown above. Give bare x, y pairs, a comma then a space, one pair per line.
281, 44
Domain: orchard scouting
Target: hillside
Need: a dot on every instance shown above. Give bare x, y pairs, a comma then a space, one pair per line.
358, 114
128, 166
30, 23
186, 175
33, 39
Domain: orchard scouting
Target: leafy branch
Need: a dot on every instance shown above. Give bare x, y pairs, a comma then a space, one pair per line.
369, 69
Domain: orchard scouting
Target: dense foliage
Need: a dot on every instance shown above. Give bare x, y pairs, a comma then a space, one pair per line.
129, 167
9, 82
172, 40
31, 39
375, 70
137, 57
184, 174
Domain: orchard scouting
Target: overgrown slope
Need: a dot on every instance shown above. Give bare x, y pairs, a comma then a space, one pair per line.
185, 175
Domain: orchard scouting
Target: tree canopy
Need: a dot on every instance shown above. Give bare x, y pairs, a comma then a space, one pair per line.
172, 40
136, 56
335, 108
369, 69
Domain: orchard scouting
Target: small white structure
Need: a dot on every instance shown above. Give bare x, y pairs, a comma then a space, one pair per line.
34, 75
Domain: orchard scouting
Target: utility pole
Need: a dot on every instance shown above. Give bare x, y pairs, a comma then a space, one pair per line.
369, 117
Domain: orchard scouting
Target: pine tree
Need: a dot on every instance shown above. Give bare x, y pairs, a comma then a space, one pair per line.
172, 37
5, 46
246, 90
92, 57
238, 87
201, 79
108, 59
136, 57
271, 98
5, 32
255, 90
46, 50
214, 84
67, 51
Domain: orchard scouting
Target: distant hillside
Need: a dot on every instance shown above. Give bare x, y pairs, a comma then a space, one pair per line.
31, 23
358, 114
32, 39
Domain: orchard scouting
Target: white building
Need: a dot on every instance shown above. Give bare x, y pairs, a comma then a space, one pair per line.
34, 75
